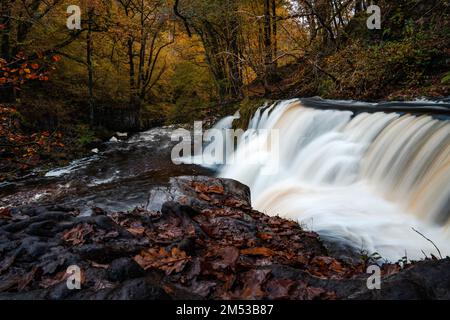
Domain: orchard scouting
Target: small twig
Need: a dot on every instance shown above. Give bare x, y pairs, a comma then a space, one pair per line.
426, 257
439, 251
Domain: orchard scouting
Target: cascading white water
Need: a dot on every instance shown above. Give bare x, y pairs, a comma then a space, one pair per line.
364, 180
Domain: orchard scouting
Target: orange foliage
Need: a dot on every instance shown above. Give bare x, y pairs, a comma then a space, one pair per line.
16, 73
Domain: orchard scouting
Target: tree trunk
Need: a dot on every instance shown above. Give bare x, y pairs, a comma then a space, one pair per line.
5, 21
132, 73
274, 31
24, 27
89, 52
267, 33
267, 40
134, 99
235, 64
7, 92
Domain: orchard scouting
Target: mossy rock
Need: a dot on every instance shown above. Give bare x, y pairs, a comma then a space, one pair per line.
247, 109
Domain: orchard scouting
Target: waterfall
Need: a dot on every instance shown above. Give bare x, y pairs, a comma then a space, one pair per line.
369, 181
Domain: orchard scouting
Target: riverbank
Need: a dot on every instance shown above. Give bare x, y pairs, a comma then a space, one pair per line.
205, 243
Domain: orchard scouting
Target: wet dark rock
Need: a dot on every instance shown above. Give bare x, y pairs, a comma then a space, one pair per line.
42, 228
124, 268
105, 253
425, 280
31, 248
138, 289
200, 240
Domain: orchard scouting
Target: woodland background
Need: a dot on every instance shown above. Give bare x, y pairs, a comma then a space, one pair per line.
136, 64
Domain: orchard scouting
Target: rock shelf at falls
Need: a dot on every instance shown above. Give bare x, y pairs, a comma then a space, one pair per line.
206, 243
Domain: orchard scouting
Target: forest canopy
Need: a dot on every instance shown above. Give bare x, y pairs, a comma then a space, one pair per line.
134, 64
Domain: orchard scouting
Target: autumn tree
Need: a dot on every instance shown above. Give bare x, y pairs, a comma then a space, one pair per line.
17, 19
148, 30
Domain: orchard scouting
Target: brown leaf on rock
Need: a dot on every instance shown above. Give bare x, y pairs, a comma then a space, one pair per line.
204, 197
136, 231
77, 235
202, 188
327, 266
264, 236
258, 251
236, 203
216, 189
170, 232
172, 261
389, 269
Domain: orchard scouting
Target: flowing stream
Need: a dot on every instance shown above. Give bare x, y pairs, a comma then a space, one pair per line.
379, 182
120, 177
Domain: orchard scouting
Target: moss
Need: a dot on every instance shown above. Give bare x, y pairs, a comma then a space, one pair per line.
85, 135
247, 109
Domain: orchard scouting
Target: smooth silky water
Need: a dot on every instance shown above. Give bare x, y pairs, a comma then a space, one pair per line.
372, 181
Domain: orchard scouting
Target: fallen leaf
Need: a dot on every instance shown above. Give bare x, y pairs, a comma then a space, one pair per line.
216, 189
202, 188
173, 261
204, 197
389, 269
327, 264
236, 203
264, 236
76, 236
258, 251
136, 231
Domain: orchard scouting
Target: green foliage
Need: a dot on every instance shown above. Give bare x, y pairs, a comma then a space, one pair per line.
155, 114
247, 109
368, 72
192, 93
446, 78
85, 135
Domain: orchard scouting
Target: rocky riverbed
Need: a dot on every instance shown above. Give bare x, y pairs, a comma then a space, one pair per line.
203, 241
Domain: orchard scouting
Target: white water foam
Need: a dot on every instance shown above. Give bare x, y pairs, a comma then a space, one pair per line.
368, 180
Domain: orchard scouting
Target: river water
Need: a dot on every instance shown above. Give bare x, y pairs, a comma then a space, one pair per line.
119, 178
